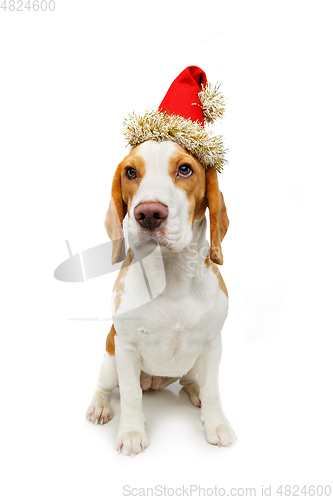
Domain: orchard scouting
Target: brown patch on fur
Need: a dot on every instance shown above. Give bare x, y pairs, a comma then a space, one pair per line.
219, 221
194, 186
110, 345
217, 273
119, 285
122, 192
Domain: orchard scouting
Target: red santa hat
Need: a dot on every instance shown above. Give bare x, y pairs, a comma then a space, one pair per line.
188, 105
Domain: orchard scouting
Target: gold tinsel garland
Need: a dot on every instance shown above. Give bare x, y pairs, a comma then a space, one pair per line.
161, 126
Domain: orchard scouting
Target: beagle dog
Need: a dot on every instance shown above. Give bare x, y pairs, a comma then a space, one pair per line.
174, 334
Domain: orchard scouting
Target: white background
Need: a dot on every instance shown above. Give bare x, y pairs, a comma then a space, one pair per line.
68, 78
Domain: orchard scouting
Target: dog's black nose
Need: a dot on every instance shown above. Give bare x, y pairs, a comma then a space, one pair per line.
150, 214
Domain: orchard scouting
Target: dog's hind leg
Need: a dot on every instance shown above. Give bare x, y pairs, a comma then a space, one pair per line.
100, 411
191, 386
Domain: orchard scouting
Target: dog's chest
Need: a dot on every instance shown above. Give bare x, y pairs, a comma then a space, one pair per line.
171, 345
170, 331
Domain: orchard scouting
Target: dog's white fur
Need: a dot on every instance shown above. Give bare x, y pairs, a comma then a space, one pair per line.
177, 335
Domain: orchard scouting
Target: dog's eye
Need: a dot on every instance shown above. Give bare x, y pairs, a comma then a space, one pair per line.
131, 173
185, 171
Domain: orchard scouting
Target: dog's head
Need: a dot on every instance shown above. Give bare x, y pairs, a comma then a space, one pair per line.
164, 190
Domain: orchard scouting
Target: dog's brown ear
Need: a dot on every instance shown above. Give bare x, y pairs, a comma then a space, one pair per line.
114, 219
219, 221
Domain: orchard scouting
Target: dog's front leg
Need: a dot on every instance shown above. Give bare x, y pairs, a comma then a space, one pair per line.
218, 429
131, 437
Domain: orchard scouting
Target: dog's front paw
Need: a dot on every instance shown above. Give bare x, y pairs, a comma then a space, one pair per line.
99, 412
220, 435
131, 443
